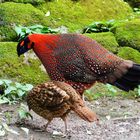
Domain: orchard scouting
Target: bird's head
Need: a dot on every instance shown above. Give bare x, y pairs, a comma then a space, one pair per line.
24, 45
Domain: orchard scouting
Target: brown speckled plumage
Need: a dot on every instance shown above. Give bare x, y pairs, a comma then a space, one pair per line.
56, 99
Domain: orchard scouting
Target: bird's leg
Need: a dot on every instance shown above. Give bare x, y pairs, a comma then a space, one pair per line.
49, 121
65, 122
46, 125
83, 97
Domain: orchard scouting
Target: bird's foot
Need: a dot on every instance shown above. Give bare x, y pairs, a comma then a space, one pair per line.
44, 128
96, 119
66, 134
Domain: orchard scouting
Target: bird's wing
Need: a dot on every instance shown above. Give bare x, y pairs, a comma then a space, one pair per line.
70, 62
81, 59
50, 95
107, 66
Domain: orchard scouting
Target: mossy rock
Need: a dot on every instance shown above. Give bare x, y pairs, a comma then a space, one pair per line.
106, 39
128, 34
133, 3
129, 54
34, 2
76, 15
18, 14
14, 67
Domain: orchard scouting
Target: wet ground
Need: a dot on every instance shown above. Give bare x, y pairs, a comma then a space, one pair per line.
119, 120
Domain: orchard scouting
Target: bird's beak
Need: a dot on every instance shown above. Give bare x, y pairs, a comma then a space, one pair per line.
21, 50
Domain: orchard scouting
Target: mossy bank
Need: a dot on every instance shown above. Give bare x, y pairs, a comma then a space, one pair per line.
75, 15
128, 33
14, 67
129, 53
12, 14
106, 39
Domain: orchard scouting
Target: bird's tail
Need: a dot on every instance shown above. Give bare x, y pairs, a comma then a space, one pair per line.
130, 80
85, 113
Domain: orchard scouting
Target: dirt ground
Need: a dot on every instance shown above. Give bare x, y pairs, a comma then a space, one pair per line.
119, 120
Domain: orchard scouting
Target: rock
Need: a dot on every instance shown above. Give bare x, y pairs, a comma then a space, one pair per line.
56, 133
129, 53
34, 2
133, 3
106, 39
128, 33
78, 14
12, 14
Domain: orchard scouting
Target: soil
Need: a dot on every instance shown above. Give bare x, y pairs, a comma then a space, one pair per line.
119, 120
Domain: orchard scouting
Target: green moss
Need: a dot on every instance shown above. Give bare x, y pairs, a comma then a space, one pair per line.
100, 90
133, 3
34, 2
129, 54
106, 39
128, 34
13, 67
76, 15
23, 14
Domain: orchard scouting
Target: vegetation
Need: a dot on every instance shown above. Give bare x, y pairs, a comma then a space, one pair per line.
11, 92
30, 15
76, 15
16, 68
129, 53
133, 3
22, 32
101, 26
112, 23
101, 91
106, 39
34, 2
128, 34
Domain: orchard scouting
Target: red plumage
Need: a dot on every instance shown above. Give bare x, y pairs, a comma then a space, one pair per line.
81, 61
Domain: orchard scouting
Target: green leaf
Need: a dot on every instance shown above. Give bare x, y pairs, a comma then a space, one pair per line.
1, 82
18, 85
138, 91
111, 88
7, 82
23, 111
4, 100
22, 31
26, 130
18, 29
13, 91
6, 127
22, 114
28, 87
36, 26
20, 93
9, 89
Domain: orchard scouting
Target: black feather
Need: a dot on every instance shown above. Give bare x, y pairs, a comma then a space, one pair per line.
130, 80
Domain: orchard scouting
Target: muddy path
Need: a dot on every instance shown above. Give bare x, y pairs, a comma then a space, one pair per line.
119, 120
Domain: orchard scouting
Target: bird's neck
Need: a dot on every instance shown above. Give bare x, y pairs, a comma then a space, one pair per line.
44, 46
44, 49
